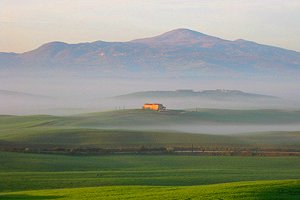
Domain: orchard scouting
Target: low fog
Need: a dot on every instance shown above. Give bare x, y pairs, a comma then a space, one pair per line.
63, 94
212, 129
66, 94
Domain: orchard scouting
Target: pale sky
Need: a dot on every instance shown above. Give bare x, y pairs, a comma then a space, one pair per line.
27, 24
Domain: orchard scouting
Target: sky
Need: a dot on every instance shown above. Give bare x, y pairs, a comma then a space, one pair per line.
27, 24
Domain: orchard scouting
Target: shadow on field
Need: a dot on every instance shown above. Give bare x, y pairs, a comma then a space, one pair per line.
26, 197
279, 192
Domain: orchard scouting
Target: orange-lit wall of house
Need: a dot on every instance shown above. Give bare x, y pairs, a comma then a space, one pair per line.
151, 106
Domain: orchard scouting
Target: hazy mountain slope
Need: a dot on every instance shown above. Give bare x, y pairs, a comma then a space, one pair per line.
211, 94
183, 99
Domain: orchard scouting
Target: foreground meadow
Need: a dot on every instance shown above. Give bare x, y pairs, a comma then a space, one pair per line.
288, 189
40, 176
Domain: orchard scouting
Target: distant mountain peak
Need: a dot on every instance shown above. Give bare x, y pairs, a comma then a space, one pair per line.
50, 47
183, 32
54, 44
178, 36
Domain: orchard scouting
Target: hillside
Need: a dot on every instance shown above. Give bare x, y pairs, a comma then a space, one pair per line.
139, 117
135, 128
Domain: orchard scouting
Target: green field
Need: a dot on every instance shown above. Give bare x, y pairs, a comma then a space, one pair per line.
142, 176
20, 172
289, 189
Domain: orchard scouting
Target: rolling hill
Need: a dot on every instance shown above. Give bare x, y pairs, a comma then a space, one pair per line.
136, 117
127, 128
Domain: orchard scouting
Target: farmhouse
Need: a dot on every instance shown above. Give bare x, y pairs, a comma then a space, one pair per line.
154, 106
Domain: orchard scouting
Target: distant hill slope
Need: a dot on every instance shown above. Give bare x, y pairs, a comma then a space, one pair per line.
180, 52
211, 94
139, 117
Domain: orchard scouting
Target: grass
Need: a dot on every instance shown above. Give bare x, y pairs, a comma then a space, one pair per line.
288, 189
48, 137
83, 137
37, 171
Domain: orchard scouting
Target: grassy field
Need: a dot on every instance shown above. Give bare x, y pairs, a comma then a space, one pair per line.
19, 171
289, 189
39, 176
49, 176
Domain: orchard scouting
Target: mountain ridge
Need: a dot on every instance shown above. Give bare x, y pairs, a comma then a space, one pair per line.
177, 52
173, 32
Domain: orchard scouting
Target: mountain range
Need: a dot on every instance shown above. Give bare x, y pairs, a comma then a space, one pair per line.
180, 52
